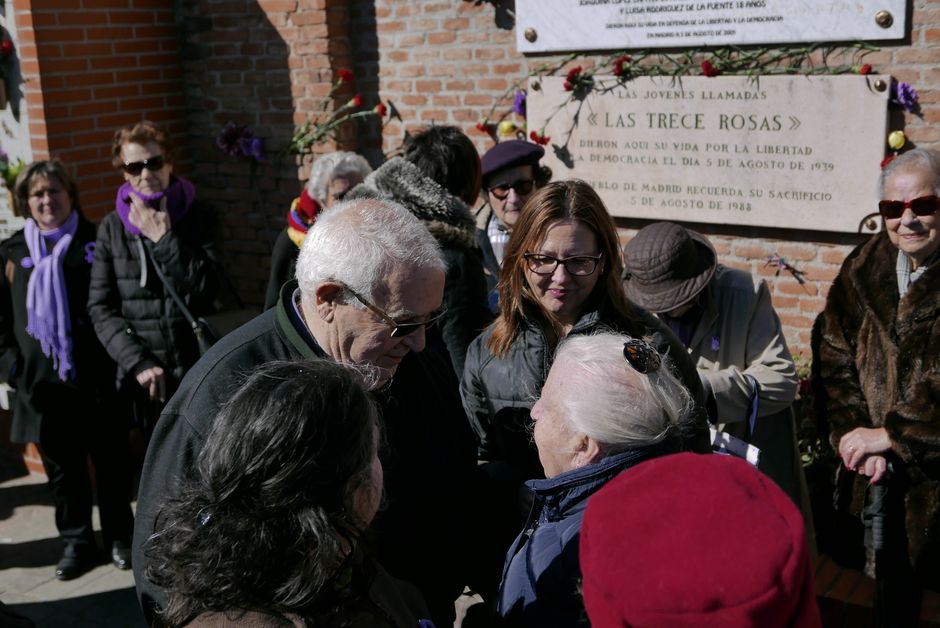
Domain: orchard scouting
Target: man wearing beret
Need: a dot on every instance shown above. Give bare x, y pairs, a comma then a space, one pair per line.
511, 173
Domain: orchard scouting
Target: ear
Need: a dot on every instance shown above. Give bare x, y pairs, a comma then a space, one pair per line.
326, 299
587, 451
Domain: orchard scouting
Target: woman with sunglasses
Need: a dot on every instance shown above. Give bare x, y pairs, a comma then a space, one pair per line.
560, 278
876, 359
158, 235
62, 375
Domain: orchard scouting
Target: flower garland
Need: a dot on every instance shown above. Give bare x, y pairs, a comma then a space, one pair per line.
813, 59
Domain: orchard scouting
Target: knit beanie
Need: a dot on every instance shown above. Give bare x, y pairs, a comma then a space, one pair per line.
692, 540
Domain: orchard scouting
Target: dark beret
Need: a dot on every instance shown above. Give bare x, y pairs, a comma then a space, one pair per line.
511, 153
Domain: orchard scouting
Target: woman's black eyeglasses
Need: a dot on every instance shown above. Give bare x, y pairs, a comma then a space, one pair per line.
134, 168
399, 330
923, 206
579, 266
521, 186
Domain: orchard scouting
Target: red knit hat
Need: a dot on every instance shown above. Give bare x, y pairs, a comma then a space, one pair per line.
695, 540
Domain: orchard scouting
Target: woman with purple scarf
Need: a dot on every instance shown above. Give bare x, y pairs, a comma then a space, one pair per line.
158, 235
63, 378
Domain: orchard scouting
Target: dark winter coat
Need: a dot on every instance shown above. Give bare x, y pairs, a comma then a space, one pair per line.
283, 266
451, 223
428, 461
40, 394
498, 393
877, 363
542, 575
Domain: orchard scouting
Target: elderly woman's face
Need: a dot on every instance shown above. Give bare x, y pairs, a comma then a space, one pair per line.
49, 202
560, 448
918, 236
146, 179
562, 293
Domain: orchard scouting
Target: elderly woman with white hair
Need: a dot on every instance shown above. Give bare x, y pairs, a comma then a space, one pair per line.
332, 176
609, 403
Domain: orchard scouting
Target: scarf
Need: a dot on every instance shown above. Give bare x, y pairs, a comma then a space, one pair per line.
179, 198
303, 211
47, 303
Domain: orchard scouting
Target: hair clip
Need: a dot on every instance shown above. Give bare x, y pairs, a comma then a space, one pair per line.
204, 517
641, 356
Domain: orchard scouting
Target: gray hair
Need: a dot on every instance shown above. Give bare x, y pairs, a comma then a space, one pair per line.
616, 405
918, 158
360, 242
331, 166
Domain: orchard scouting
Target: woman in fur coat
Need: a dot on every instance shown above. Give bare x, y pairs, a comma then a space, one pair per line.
876, 350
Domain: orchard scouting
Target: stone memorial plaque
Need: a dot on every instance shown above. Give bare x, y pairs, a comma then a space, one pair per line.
556, 25
794, 152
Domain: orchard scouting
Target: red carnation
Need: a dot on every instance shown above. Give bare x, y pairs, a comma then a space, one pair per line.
865, 69
481, 125
887, 160
380, 110
573, 74
345, 75
618, 65
708, 69
356, 101
6, 48
568, 86
539, 138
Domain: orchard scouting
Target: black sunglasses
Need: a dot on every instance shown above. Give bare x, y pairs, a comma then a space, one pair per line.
521, 186
399, 330
134, 168
923, 206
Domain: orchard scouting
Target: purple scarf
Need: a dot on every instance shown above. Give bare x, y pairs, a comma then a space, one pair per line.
179, 198
47, 301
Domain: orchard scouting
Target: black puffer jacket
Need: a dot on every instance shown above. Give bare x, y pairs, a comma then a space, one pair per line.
135, 317
451, 223
498, 393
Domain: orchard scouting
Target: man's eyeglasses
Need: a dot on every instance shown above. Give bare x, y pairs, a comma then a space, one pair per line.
923, 206
134, 168
399, 330
579, 266
521, 186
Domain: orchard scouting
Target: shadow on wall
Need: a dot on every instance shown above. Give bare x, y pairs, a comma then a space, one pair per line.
363, 42
235, 68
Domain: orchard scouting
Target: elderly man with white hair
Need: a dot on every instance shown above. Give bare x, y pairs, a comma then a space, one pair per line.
369, 279
609, 403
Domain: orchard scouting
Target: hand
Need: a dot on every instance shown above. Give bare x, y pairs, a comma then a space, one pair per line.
861, 443
154, 381
153, 223
874, 467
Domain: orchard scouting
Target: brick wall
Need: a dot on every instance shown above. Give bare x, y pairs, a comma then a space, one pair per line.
90, 67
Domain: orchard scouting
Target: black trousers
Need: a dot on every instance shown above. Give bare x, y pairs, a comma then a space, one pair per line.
66, 442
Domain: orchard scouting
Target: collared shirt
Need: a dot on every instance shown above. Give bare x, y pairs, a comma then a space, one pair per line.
499, 237
906, 276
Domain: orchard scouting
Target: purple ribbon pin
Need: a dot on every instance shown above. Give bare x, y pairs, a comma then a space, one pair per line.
90, 252
715, 343
26, 262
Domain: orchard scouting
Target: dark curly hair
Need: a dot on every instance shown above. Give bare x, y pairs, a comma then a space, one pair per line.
265, 518
446, 155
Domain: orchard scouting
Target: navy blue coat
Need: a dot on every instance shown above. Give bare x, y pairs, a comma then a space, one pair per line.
542, 578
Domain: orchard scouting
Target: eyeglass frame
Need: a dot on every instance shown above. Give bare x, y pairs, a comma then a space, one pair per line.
883, 204
512, 186
153, 164
406, 329
564, 262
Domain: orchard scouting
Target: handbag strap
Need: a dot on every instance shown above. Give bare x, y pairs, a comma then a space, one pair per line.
169, 288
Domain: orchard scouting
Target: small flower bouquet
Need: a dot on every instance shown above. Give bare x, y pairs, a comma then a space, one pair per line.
321, 128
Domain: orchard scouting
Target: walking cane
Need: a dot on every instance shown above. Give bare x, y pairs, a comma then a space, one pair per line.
873, 516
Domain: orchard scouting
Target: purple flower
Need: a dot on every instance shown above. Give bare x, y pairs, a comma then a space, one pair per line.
715, 343
518, 105
904, 95
237, 140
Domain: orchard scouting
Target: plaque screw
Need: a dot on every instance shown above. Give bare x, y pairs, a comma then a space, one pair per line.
536, 86
531, 34
884, 19
870, 224
880, 85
